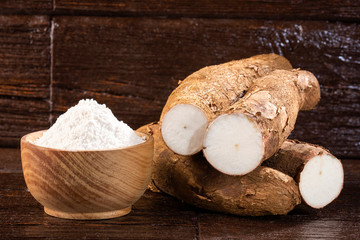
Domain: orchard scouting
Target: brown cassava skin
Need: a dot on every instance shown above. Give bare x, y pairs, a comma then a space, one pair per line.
273, 103
292, 157
214, 88
192, 179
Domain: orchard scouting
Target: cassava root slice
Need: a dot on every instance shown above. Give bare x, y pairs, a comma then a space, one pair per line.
191, 179
255, 127
319, 174
205, 94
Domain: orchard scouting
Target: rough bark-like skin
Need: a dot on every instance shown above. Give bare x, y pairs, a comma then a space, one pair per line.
273, 102
215, 88
292, 157
192, 179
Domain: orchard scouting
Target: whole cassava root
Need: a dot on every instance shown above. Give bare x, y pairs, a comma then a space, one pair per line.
205, 94
253, 129
264, 191
319, 174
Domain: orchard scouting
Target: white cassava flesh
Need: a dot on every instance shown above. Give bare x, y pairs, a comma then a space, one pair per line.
233, 144
319, 174
183, 129
321, 180
204, 95
254, 128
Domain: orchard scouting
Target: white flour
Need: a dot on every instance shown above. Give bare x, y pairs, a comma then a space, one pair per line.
88, 126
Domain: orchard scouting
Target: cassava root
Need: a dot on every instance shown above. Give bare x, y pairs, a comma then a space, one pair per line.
253, 129
319, 174
264, 191
240, 114
204, 95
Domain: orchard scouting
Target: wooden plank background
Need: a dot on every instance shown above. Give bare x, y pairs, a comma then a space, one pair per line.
130, 55
268, 9
26, 6
24, 76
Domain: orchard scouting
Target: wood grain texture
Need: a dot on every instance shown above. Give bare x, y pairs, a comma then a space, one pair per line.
132, 65
10, 160
86, 184
270, 9
157, 216
24, 76
154, 216
25, 6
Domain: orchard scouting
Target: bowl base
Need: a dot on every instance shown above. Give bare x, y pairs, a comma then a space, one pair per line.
88, 216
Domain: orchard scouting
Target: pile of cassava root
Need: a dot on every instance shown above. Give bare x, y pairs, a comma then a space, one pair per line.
240, 114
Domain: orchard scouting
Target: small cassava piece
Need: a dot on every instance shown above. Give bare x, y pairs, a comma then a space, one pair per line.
319, 174
205, 94
193, 180
255, 127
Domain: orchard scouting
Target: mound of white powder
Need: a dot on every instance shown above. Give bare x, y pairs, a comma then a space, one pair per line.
88, 126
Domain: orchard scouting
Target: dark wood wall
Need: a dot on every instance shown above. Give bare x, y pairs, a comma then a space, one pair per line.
131, 54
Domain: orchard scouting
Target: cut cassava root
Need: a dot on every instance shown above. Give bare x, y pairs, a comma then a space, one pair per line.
253, 129
252, 106
205, 94
319, 174
191, 179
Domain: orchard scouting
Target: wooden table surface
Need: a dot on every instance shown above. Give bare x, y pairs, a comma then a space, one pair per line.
158, 216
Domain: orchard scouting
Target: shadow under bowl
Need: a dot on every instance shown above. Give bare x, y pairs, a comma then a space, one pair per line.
94, 184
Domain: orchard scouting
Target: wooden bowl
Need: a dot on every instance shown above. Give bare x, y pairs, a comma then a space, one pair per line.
96, 184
